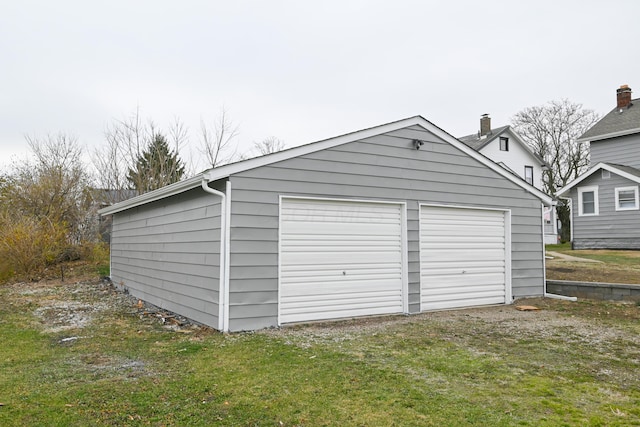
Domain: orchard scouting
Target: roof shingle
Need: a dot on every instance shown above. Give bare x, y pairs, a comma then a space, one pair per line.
619, 121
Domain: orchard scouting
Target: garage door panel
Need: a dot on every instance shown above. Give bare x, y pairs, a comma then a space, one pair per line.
353, 299
344, 258
321, 280
468, 279
466, 302
339, 229
337, 313
457, 291
293, 271
339, 258
334, 287
445, 232
462, 257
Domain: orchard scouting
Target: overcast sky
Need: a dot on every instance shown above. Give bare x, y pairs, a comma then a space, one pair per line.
303, 70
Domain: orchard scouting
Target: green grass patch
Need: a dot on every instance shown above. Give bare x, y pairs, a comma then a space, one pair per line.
496, 366
561, 247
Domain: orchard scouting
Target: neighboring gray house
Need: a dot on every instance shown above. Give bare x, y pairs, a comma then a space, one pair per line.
506, 148
398, 218
605, 208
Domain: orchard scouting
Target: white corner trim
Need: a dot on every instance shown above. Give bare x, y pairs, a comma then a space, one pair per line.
227, 257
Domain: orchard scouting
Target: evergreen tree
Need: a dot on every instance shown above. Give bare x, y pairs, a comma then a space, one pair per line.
156, 167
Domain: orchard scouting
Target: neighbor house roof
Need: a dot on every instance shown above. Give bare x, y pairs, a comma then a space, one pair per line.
225, 171
618, 122
478, 143
628, 172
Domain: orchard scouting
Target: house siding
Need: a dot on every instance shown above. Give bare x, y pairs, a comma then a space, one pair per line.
168, 253
387, 168
516, 158
623, 150
610, 228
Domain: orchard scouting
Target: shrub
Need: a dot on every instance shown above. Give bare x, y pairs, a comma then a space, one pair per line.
28, 245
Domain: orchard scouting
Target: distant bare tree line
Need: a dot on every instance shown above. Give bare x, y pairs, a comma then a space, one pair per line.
49, 201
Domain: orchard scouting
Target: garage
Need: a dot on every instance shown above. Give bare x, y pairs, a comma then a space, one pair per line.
464, 257
393, 219
340, 258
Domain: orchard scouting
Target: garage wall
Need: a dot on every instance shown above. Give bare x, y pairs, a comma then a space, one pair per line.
168, 253
385, 167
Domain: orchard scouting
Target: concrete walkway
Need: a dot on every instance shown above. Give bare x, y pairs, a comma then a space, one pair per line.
565, 257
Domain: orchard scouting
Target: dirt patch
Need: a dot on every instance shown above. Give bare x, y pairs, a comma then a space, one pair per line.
508, 320
69, 307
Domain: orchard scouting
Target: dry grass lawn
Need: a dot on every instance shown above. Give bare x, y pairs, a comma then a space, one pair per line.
616, 266
79, 353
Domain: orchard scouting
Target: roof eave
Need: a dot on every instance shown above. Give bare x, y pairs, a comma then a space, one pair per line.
567, 188
152, 196
230, 169
608, 135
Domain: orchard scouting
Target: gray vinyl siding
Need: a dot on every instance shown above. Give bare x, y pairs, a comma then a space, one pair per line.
610, 228
168, 253
624, 150
385, 167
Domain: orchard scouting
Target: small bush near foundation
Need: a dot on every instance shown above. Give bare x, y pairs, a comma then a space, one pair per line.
98, 254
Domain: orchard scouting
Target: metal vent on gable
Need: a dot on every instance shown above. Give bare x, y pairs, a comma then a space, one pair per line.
606, 174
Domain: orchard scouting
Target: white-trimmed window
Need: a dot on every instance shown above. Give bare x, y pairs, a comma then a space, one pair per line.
588, 200
626, 198
528, 174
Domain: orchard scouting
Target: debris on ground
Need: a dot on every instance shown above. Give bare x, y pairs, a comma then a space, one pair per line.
527, 308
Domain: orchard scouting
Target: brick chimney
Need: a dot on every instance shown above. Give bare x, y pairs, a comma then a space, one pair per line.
485, 125
623, 96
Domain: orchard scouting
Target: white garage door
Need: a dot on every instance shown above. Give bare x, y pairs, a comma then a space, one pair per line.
339, 259
463, 257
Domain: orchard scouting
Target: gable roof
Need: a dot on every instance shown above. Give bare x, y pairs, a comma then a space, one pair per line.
478, 143
628, 172
618, 122
225, 171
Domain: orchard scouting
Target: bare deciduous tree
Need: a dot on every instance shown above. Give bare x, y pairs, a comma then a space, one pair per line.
269, 145
551, 130
126, 141
216, 143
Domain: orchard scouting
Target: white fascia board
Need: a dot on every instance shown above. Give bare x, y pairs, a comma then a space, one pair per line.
301, 150
225, 171
591, 171
610, 135
152, 196
233, 168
